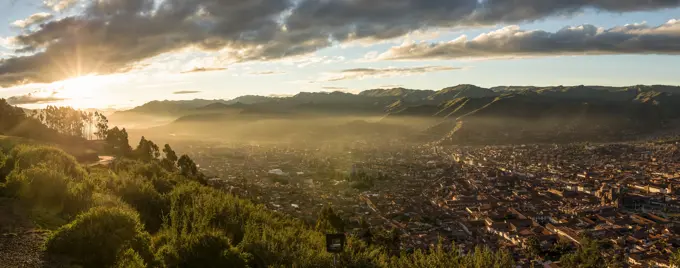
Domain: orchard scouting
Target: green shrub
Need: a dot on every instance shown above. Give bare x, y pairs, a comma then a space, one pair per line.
209, 249
50, 189
24, 157
97, 237
129, 259
3, 159
4, 168
142, 196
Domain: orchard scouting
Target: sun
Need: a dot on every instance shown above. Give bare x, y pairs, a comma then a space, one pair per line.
80, 92
80, 86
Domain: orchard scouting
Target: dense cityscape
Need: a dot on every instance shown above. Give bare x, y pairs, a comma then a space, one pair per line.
533, 200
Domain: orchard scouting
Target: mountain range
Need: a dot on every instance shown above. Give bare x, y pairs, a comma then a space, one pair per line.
463, 114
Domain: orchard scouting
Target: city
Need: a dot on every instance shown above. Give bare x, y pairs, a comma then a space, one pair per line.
500, 196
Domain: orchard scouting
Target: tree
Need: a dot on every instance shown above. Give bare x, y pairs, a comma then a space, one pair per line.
329, 222
147, 150
88, 119
533, 247
117, 142
395, 239
366, 234
587, 256
187, 167
169, 162
169, 153
102, 124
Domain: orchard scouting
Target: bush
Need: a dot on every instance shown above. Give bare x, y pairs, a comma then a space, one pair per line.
97, 237
129, 259
210, 249
142, 196
24, 157
47, 188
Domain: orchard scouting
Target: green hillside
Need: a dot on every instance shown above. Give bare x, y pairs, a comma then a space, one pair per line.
159, 212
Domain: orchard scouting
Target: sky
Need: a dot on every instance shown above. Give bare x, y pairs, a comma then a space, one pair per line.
122, 53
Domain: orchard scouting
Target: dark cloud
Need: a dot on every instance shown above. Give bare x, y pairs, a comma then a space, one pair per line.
115, 35
203, 69
36, 18
511, 41
359, 73
34, 98
182, 92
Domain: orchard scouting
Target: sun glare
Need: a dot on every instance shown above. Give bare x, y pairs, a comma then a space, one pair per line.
84, 91
80, 86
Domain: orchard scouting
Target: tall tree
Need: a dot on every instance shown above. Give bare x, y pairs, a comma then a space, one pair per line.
102, 124
187, 167
328, 221
169, 162
146, 150
118, 143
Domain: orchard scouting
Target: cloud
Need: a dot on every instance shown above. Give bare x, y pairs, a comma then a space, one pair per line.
115, 35
335, 88
267, 73
36, 18
59, 5
512, 41
360, 73
203, 69
35, 98
182, 92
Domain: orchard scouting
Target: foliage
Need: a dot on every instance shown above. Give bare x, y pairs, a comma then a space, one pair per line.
209, 249
533, 247
96, 238
3, 159
47, 188
129, 259
329, 222
438, 256
117, 142
146, 150
102, 124
190, 224
588, 255
144, 198
65, 120
675, 259
25, 156
169, 162
188, 168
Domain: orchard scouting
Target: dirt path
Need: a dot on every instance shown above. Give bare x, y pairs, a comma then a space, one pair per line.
21, 243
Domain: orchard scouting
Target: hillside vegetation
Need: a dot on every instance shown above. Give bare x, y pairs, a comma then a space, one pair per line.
156, 212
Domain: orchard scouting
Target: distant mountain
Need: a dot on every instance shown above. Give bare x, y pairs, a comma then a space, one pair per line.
250, 99
462, 91
168, 107
398, 93
463, 114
